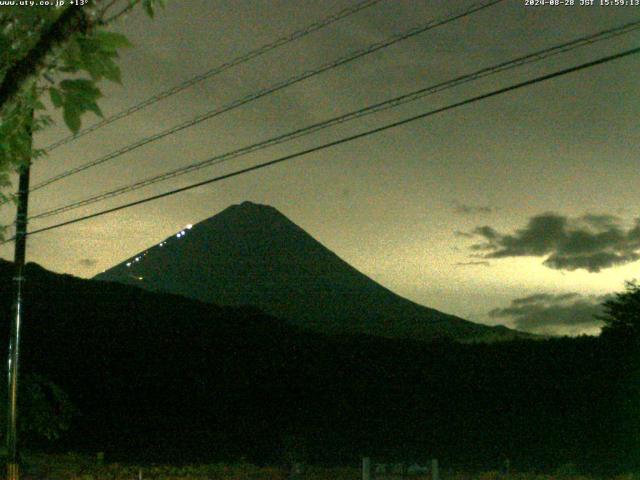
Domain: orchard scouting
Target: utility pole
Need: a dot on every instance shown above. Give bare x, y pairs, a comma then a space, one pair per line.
13, 472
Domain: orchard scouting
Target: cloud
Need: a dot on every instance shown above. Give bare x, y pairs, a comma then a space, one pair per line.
567, 313
543, 297
88, 262
590, 242
464, 209
482, 263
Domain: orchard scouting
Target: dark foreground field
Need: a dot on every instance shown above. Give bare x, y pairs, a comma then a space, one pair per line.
153, 377
77, 467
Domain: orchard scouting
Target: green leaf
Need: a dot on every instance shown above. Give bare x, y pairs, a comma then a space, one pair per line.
80, 84
102, 65
38, 153
93, 107
56, 97
80, 90
112, 72
96, 53
72, 118
41, 122
111, 41
80, 96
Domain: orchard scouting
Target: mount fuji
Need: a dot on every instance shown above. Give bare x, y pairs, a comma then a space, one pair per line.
253, 255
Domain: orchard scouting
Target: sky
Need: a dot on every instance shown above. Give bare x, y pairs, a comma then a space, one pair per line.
518, 210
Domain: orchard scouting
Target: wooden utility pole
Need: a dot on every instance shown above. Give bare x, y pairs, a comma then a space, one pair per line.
13, 472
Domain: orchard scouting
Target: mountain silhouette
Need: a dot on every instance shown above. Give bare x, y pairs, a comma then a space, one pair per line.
252, 254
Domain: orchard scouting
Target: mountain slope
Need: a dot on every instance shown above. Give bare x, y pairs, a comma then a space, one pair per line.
253, 255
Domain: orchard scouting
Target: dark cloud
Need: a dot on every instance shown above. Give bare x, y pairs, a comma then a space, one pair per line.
88, 262
465, 209
543, 297
487, 232
590, 242
568, 313
482, 263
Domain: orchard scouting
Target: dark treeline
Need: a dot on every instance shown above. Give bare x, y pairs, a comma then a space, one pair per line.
162, 378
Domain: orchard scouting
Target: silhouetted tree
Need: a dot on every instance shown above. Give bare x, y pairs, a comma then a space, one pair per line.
622, 313
619, 382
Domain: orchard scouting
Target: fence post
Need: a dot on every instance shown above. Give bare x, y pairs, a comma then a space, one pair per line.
435, 474
366, 468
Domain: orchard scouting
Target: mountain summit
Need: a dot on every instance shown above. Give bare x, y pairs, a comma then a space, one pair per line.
252, 254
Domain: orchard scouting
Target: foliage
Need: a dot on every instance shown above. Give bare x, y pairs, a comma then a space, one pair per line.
68, 59
45, 409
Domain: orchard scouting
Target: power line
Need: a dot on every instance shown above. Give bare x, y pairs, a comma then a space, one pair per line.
272, 89
296, 35
367, 133
375, 108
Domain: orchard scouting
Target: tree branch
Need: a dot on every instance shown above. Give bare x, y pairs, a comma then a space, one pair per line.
122, 12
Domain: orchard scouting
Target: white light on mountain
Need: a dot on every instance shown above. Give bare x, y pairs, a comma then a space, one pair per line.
128, 264
189, 226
